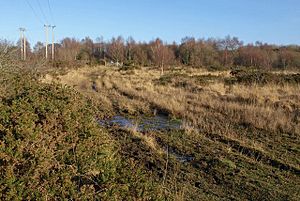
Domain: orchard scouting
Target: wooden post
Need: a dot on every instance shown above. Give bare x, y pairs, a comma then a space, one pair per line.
22, 43
46, 44
53, 42
24, 47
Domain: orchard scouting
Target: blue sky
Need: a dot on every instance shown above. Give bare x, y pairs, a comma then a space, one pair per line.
272, 21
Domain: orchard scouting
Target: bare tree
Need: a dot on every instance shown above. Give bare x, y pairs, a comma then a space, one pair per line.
161, 55
285, 58
8, 54
116, 49
69, 49
140, 54
229, 47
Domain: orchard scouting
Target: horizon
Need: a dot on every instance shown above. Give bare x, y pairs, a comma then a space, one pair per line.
276, 23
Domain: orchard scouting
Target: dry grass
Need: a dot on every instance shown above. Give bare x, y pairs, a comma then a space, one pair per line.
272, 108
269, 107
264, 120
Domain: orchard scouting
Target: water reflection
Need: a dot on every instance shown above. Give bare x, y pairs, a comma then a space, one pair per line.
144, 123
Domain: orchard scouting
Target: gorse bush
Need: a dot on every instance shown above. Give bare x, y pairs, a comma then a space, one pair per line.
254, 76
50, 144
183, 80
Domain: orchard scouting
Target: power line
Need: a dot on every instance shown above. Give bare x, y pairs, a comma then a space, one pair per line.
42, 11
53, 26
36, 15
51, 13
29, 37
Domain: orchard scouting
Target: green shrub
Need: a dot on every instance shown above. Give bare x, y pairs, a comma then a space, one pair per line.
205, 79
217, 67
50, 144
129, 67
171, 78
254, 76
183, 80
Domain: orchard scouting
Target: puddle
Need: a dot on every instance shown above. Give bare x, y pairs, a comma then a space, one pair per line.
154, 123
180, 157
143, 123
183, 159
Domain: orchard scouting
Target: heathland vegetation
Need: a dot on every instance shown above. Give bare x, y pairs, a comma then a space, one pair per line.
237, 107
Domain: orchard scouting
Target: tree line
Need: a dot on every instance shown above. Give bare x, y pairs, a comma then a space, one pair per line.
209, 53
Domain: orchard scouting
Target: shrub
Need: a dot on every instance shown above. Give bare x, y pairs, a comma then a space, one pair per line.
204, 80
129, 68
254, 76
171, 78
183, 80
50, 144
217, 67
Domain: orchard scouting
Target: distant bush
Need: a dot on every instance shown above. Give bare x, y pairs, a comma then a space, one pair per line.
183, 80
171, 78
254, 76
205, 79
67, 64
129, 67
217, 67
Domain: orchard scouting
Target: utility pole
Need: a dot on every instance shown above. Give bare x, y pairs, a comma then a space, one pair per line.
23, 48
46, 45
53, 42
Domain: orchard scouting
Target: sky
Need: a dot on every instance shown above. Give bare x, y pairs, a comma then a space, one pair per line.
271, 21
